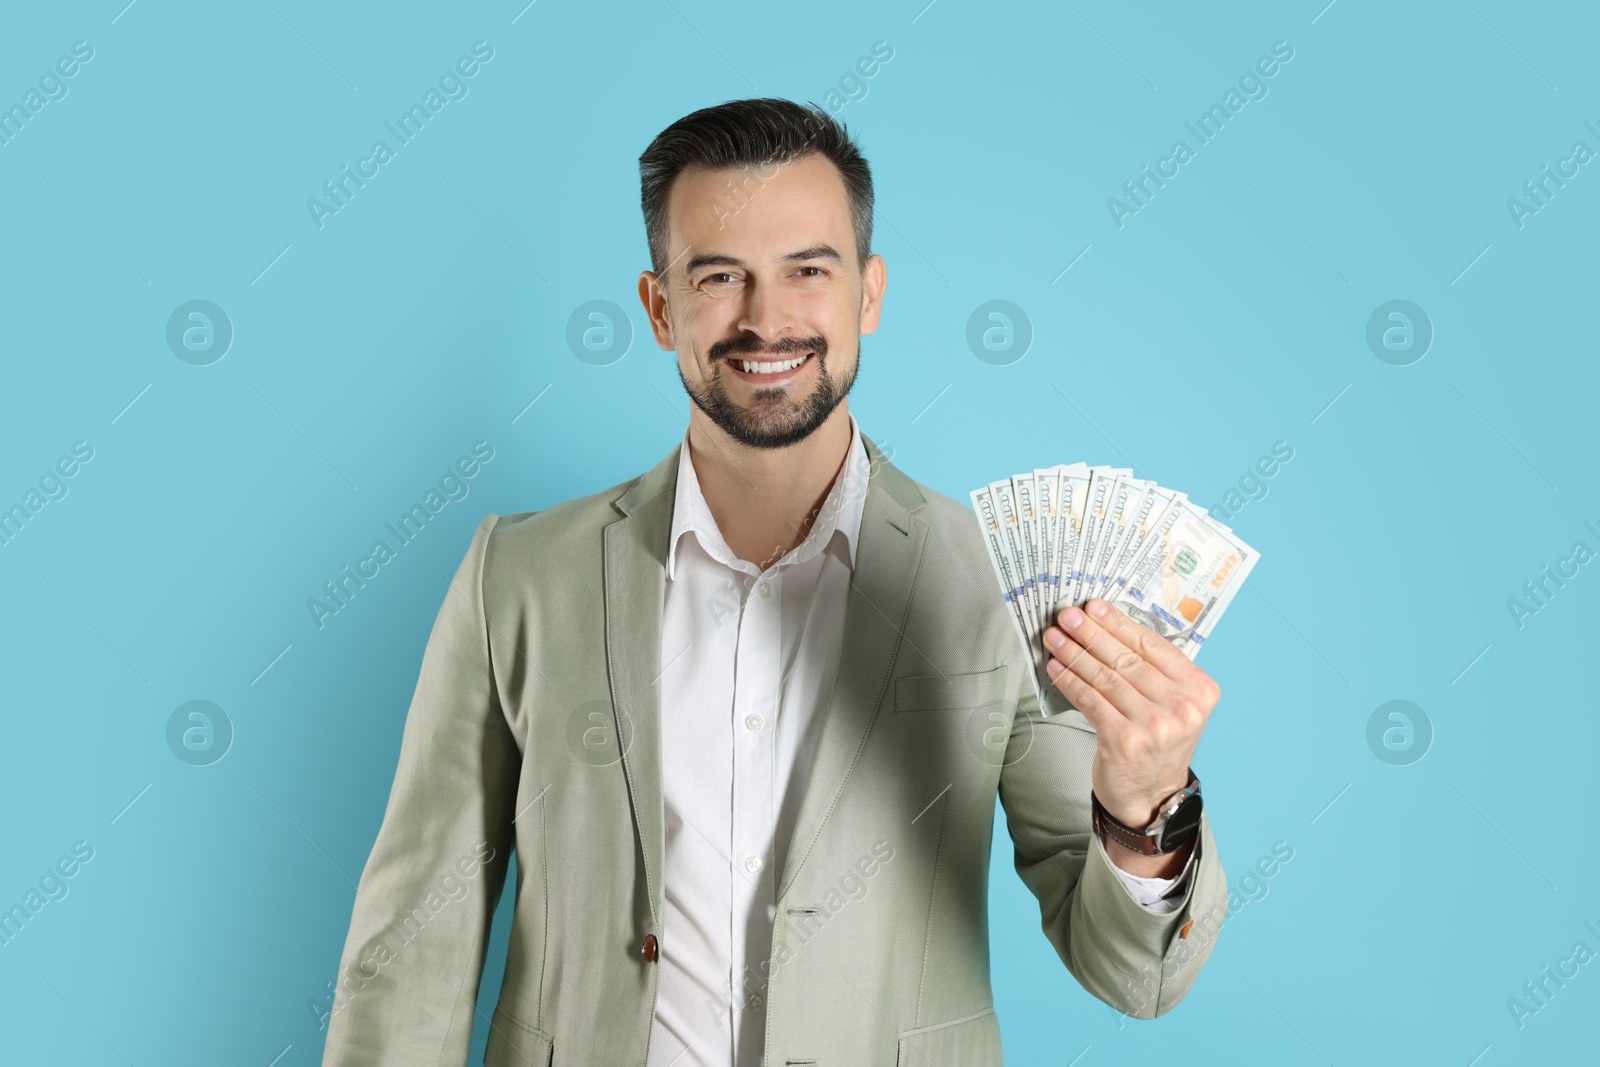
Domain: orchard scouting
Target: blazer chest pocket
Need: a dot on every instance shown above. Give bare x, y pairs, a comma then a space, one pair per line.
949, 692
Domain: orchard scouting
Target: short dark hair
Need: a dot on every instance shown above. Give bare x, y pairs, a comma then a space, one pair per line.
750, 133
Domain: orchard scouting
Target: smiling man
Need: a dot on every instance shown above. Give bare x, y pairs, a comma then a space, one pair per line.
744, 718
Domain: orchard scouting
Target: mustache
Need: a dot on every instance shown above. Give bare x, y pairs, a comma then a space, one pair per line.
750, 346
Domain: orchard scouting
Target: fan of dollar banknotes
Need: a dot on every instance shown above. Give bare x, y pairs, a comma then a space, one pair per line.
1062, 535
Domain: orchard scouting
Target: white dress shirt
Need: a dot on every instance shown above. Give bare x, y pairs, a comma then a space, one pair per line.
749, 658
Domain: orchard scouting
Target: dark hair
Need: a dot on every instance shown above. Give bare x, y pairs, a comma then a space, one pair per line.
750, 133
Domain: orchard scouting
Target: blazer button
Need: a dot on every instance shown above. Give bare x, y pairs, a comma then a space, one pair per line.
648, 949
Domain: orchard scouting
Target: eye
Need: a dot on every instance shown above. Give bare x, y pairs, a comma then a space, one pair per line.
819, 271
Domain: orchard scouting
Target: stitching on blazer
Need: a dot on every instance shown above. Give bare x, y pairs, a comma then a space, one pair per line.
544, 870
947, 1024
483, 619
511, 1018
894, 654
933, 892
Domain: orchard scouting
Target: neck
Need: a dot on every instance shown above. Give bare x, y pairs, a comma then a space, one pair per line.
764, 499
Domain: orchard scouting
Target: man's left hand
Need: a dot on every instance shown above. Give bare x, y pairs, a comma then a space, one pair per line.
1147, 701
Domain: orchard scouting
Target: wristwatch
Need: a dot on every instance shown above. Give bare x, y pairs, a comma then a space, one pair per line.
1176, 823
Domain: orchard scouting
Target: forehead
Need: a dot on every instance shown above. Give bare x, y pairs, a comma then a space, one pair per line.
760, 213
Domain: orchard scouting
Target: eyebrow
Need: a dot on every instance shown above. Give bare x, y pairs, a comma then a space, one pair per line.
715, 259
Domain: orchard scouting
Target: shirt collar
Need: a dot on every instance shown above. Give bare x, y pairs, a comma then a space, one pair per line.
840, 512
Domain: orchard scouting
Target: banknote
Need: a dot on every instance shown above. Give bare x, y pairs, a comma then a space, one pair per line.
1087, 574
994, 521
1189, 572
1059, 536
1073, 506
1122, 502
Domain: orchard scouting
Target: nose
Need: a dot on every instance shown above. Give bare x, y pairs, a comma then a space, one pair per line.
765, 313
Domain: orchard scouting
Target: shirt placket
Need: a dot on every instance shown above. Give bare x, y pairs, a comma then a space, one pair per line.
755, 710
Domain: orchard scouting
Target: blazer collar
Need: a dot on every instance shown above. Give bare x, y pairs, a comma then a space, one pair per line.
663, 478
888, 558
839, 515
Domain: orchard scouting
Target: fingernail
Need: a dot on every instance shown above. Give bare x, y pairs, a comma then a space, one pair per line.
1073, 618
1053, 668
1054, 637
1097, 608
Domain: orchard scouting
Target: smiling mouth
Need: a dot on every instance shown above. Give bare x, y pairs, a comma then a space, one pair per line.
753, 366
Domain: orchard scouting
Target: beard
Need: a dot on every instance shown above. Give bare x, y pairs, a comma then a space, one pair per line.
774, 418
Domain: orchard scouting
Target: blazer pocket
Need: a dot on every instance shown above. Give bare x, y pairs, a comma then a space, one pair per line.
513, 1043
949, 692
971, 1041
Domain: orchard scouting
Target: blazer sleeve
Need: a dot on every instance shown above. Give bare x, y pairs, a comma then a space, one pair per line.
408, 976
1140, 962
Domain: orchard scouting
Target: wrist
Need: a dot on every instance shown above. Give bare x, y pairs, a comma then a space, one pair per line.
1167, 865
1144, 812
1173, 824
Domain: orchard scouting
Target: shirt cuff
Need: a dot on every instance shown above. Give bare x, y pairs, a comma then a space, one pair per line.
1159, 896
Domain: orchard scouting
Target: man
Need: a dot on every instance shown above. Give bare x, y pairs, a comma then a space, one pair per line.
744, 718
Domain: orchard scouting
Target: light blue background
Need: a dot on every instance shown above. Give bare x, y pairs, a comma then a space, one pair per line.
1227, 315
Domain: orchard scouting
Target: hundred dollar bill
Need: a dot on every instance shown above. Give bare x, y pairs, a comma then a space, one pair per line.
1005, 503
1071, 507
995, 541
993, 523
1185, 577
1152, 504
1122, 504
1023, 491
1047, 499
1086, 571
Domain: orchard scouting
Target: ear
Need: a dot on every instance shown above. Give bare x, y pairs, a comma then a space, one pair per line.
653, 295
874, 278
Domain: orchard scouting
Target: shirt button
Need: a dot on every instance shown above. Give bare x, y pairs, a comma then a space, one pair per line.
755, 1003
752, 864
764, 589
752, 722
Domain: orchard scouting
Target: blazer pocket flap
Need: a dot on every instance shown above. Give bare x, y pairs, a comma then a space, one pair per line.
949, 692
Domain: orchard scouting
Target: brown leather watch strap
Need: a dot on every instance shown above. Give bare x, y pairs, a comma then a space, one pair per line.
1134, 840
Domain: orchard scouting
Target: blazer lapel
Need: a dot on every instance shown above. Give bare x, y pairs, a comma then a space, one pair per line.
888, 558
635, 578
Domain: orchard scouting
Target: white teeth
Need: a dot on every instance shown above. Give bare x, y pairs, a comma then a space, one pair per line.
752, 367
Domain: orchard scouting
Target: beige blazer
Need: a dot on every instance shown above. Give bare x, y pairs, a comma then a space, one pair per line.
535, 730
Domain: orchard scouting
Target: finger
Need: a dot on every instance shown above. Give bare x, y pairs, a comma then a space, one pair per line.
1112, 653
1104, 678
1157, 650
1107, 721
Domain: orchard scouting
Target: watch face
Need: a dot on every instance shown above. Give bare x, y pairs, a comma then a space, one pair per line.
1183, 823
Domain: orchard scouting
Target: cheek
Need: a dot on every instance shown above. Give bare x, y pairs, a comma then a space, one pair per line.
696, 326
692, 365
838, 319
